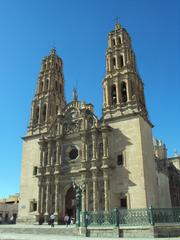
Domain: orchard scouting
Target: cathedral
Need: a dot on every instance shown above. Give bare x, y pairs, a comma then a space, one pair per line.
113, 159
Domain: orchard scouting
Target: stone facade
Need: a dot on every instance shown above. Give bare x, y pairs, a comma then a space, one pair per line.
168, 174
111, 158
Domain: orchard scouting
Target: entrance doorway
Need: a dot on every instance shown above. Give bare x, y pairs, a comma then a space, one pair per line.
70, 208
123, 202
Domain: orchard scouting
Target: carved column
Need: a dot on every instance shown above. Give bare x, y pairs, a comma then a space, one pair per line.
106, 191
104, 97
83, 139
117, 92
39, 197
60, 129
107, 95
104, 138
128, 90
83, 152
40, 112
57, 153
87, 196
60, 202
41, 155
93, 146
45, 157
32, 114
120, 95
58, 157
86, 151
42, 198
47, 201
47, 111
109, 64
83, 200
49, 153
105, 159
56, 207
39, 201
95, 191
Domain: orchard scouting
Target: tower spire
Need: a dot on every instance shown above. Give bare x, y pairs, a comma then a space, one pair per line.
49, 98
123, 88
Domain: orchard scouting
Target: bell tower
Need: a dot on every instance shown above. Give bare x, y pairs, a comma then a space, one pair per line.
123, 88
49, 98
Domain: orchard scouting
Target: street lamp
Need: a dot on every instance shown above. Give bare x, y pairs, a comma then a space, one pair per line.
78, 194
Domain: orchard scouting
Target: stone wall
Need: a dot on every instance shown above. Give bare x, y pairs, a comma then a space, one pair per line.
29, 184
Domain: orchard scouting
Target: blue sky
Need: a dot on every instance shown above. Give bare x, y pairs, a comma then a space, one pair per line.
78, 29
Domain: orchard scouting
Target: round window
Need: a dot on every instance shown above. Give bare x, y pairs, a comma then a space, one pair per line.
73, 153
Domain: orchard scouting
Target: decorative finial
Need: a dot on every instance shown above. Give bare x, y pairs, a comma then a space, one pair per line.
117, 24
53, 51
75, 96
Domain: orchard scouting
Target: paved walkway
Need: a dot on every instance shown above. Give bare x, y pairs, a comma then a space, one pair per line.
53, 237
24, 236
6, 236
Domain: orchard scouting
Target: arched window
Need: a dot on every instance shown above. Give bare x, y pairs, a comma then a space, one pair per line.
56, 128
44, 67
90, 149
60, 88
36, 118
47, 84
113, 94
123, 201
57, 109
41, 86
114, 62
120, 160
56, 85
44, 113
54, 157
113, 42
119, 40
121, 60
45, 158
123, 92
100, 150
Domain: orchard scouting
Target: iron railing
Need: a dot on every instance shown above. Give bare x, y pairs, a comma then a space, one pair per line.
131, 217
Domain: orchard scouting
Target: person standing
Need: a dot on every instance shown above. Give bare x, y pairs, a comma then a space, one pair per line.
52, 218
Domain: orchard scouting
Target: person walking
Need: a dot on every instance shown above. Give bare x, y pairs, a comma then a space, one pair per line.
12, 219
66, 220
52, 218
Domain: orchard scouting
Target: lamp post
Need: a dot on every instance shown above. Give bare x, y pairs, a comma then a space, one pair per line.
78, 194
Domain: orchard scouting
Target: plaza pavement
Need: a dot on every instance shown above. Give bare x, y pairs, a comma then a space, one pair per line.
13, 236
6, 233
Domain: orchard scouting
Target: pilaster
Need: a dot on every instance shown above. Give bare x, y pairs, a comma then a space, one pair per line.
95, 191
56, 207
46, 215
